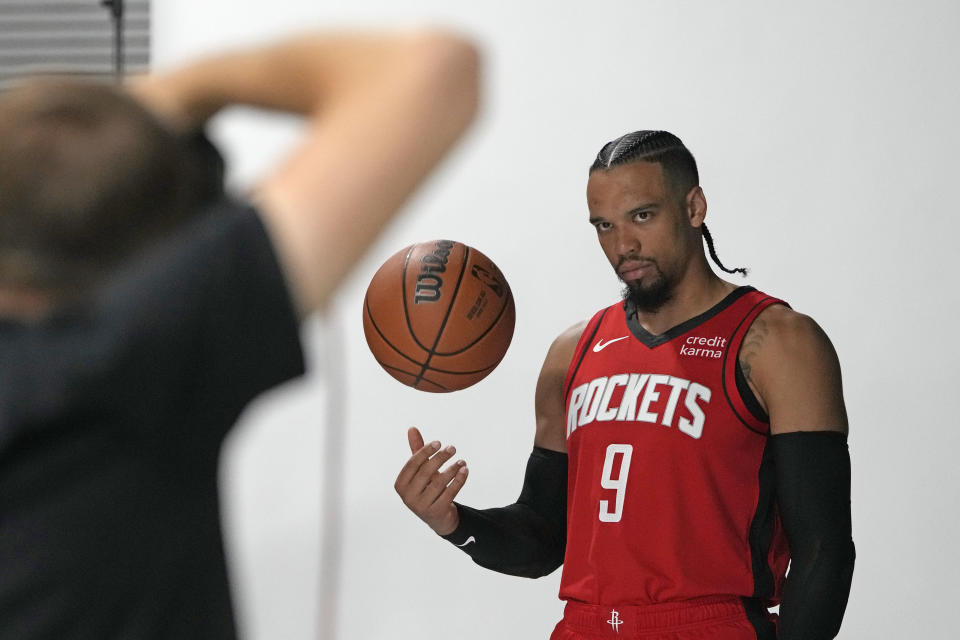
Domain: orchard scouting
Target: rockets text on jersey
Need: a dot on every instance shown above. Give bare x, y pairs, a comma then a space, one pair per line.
590, 402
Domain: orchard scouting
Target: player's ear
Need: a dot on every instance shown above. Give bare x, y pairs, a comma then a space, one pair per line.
696, 207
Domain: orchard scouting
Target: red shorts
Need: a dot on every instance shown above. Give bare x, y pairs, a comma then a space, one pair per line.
713, 618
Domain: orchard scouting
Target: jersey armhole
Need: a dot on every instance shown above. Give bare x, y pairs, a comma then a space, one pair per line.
747, 395
585, 339
737, 391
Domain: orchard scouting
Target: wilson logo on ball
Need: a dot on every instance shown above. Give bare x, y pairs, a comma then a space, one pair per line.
438, 316
428, 282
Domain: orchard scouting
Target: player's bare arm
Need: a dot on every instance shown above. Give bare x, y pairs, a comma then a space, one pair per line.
794, 371
358, 162
551, 414
526, 538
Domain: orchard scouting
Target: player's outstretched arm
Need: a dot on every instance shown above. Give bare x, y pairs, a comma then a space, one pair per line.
792, 366
528, 537
383, 110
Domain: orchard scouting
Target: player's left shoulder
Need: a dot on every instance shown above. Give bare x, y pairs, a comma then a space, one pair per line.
793, 368
787, 336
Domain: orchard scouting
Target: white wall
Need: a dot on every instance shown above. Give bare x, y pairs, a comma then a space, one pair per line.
826, 135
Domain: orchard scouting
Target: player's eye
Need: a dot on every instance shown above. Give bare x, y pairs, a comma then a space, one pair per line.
639, 216
602, 225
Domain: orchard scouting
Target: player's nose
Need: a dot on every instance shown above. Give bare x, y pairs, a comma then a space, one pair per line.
627, 243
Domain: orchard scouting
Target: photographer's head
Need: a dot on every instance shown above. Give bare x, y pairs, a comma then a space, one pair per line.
87, 177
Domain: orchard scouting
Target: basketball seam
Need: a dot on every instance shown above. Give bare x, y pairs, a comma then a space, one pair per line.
385, 339
397, 369
439, 386
403, 291
463, 373
409, 373
435, 369
488, 329
413, 361
443, 325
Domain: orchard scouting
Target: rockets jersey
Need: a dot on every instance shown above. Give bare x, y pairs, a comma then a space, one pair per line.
670, 490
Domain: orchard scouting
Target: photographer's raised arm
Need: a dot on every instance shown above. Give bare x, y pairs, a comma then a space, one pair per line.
383, 111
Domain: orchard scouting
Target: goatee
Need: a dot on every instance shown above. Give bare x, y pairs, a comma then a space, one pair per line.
648, 299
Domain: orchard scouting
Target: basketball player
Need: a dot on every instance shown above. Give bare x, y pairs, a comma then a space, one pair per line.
690, 441
141, 309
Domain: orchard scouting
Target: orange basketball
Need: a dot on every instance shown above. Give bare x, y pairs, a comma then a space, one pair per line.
438, 316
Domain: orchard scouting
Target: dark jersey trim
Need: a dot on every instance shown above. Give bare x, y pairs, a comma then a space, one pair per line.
747, 395
651, 340
761, 527
726, 354
583, 352
759, 618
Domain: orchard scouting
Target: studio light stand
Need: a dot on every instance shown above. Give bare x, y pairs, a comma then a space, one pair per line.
116, 12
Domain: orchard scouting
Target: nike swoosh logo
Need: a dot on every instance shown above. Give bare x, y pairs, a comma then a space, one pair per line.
601, 345
469, 540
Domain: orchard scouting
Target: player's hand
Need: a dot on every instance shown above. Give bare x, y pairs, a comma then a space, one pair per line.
428, 490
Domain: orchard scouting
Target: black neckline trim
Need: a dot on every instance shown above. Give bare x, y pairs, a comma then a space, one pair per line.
651, 340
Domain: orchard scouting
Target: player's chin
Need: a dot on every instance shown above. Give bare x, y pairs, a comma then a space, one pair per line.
640, 285
646, 292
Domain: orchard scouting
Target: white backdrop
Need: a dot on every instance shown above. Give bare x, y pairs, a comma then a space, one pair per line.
826, 135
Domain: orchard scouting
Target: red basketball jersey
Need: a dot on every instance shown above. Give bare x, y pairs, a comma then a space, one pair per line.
670, 493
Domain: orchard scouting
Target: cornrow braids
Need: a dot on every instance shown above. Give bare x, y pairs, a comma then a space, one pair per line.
713, 253
637, 145
667, 150
658, 147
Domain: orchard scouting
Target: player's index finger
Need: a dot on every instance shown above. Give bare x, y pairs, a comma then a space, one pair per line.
415, 439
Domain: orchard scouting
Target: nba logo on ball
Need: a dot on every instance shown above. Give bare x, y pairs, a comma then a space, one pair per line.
438, 316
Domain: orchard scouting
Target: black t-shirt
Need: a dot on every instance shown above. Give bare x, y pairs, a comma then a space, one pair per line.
111, 421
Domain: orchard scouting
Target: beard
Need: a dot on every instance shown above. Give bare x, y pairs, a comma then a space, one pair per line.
649, 296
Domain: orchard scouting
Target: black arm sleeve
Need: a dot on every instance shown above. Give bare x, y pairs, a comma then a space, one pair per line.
813, 493
527, 538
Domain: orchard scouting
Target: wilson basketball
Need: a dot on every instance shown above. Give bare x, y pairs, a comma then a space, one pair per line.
438, 316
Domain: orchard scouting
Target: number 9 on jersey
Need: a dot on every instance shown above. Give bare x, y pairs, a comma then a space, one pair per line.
618, 484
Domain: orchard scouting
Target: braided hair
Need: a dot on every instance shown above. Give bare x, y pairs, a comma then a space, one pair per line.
667, 150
